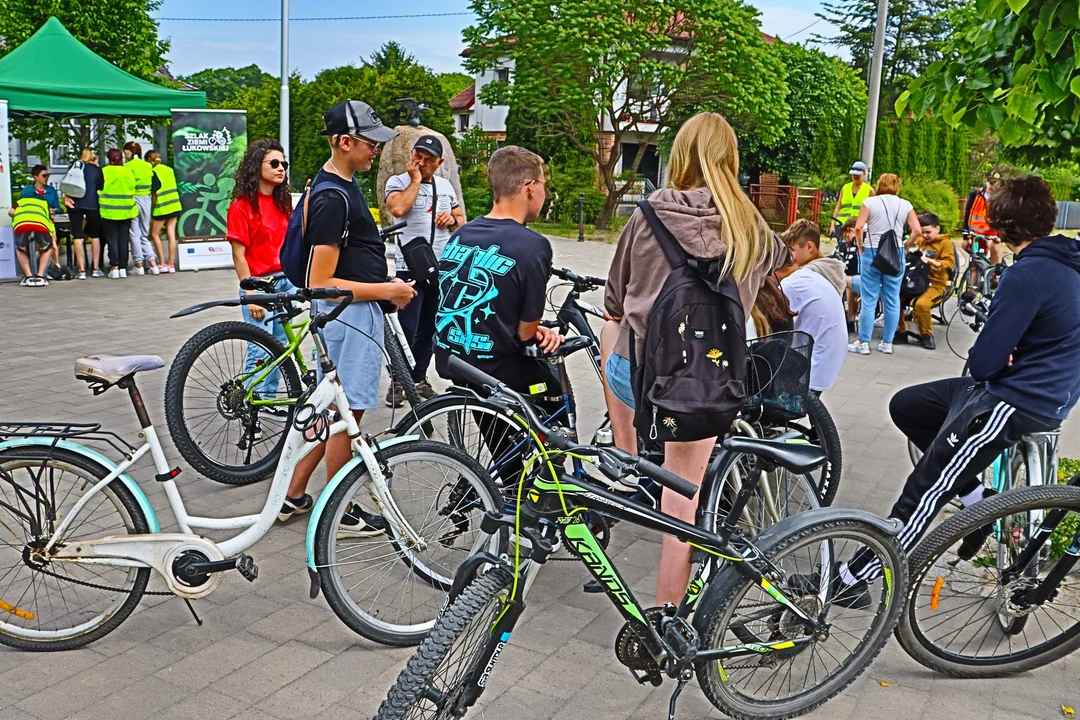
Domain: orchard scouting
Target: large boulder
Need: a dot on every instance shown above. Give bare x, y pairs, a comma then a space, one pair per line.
395, 156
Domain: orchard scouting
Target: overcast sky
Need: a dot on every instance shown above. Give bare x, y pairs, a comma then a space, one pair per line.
315, 45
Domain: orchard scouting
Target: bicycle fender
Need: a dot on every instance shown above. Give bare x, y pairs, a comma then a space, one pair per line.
204, 306
324, 497
90, 454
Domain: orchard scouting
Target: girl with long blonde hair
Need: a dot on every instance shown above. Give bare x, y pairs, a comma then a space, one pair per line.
707, 211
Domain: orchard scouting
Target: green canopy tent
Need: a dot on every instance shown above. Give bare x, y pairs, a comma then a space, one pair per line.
54, 75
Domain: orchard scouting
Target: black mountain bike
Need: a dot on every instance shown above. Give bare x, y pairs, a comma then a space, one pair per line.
762, 623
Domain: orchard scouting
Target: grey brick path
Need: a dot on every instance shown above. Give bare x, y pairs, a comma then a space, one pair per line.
266, 651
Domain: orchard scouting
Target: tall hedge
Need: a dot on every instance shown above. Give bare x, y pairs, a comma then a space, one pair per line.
925, 150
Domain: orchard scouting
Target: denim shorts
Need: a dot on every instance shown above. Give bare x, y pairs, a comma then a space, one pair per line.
356, 351
617, 373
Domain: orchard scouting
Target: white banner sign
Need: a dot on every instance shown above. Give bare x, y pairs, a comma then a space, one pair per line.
8, 268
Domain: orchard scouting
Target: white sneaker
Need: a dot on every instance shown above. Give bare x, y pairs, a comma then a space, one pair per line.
137, 270
81, 276
123, 272
114, 274
97, 274
884, 347
879, 321
42, 282
154, 270
862, 348
27, 281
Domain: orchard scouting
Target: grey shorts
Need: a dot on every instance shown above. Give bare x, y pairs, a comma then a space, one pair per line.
42, 240
356, 351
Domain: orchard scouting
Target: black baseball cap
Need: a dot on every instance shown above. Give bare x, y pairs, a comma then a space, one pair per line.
429, 144
352, 117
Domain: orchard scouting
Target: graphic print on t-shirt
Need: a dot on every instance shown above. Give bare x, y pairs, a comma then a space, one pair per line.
467, 289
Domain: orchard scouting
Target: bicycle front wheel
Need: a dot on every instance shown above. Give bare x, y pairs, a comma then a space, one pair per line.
382, 586
953, 620
736, 610
209, 396
433, 683
54, 605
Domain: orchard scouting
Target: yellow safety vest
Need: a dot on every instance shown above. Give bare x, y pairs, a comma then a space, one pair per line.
32, 211
167, 201
851, 204
117, 199
143, 172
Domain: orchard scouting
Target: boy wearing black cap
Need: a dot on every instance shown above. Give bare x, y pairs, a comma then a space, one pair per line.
347, 252
430, 206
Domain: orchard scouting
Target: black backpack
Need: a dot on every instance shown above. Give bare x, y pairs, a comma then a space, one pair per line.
691, 382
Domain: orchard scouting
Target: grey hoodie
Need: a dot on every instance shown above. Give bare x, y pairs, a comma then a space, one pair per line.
639, 268
832, 270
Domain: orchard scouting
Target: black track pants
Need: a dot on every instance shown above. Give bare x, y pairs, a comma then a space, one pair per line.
961, 428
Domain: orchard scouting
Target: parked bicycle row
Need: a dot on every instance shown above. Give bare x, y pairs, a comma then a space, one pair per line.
433, 533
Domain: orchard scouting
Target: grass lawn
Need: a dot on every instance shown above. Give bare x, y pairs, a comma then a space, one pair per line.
570, 230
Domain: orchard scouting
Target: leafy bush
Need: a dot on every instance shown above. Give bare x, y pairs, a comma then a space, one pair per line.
1064, 179
565, 184
1067, 468
934, 196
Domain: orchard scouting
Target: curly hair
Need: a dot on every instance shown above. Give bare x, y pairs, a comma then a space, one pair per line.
250, 171
1022, 209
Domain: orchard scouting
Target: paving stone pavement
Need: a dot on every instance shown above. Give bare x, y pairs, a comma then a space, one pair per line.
266, 651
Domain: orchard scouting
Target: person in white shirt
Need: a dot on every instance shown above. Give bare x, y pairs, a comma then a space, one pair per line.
886, 211
814, 291
430, 206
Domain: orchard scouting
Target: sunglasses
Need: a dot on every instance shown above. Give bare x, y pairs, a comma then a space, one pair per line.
275, 164
370, 143
44, 175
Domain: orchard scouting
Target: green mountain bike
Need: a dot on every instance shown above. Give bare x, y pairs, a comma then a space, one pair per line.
764, 623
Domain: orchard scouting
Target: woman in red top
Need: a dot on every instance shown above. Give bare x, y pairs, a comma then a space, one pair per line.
257, 220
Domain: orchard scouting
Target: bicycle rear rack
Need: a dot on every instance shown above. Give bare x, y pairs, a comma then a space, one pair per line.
87, 432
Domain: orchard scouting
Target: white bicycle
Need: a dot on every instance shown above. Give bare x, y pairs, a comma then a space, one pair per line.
79, 538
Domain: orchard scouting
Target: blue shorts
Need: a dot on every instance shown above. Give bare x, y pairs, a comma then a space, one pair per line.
356, 351
617, 373
855, 286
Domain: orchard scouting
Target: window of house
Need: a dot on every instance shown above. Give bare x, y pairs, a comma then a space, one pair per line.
463, 122
502, 74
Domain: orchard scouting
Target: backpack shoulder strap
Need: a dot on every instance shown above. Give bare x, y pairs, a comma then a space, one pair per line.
319, 187
675, 255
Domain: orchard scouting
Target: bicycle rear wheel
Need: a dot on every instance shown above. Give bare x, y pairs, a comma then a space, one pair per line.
398, 366
434, 680
737, 610
953, 620
52, 605
379, 584
818, 427
213, 424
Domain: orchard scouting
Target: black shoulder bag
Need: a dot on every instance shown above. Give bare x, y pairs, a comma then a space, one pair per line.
419, 254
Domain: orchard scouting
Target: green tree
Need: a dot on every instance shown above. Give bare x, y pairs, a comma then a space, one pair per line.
221, 84
823, 93
454, 82
123, 32
1011, 67
595, 70
915, 34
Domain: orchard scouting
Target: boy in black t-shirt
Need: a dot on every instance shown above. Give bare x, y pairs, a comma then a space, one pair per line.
347, 253
493, 281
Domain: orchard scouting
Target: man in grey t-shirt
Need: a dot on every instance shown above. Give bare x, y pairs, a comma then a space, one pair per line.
430, 207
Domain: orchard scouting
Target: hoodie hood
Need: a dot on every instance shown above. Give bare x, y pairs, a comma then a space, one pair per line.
693, 219
832, 270
1065, 250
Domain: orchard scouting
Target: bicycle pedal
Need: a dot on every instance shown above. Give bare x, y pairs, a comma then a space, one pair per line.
246, 566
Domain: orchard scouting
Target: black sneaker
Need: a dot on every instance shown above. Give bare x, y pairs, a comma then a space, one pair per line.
901, 338
927, 342
974, 540
395, 396
295, 506
856, 597
358, 523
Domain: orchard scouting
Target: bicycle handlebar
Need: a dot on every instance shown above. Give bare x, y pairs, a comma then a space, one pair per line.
392, 230
614, 462
584, 282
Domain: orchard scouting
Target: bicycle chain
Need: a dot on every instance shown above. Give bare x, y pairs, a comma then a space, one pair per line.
96, 586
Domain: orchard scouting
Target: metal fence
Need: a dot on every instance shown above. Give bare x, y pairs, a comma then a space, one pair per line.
1068, 215
781, 205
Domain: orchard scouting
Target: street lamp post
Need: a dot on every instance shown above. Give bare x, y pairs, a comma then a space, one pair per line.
870, 130
283, 132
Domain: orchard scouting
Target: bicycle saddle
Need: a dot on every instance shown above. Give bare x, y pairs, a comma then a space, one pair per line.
111, 370
261, 284
798, 457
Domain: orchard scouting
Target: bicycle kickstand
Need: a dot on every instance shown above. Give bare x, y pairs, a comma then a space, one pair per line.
685, 675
